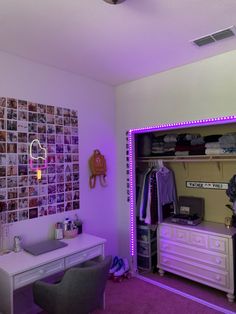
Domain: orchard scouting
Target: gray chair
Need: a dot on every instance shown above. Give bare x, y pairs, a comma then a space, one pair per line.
80, 290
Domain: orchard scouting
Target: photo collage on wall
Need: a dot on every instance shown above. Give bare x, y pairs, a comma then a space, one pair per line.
22, 195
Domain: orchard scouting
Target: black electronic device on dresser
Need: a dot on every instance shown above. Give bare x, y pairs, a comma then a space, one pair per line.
190, 211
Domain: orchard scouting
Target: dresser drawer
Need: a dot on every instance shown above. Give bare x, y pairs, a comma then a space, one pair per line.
202, 274
43, 271
165, 232
181, 235
198, 239
83, 256
191, 254
218, 244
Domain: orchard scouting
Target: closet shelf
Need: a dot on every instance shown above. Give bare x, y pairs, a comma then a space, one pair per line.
191, 158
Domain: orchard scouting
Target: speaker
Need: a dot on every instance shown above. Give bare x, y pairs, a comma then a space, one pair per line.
114, 1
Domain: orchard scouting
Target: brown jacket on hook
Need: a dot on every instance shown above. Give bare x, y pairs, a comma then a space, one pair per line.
97, 165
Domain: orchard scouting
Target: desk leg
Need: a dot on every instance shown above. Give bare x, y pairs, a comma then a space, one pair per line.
6, 293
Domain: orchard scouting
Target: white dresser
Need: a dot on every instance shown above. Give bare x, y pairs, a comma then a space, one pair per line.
203, 253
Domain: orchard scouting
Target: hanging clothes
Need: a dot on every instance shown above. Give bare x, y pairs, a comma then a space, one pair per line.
166, 189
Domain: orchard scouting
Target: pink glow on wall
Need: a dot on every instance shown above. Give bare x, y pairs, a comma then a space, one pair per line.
161, 127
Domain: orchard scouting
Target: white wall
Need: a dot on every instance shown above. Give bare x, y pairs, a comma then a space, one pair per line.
94, 101
199, 90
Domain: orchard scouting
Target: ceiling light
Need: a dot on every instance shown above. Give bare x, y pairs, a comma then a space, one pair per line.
114, 1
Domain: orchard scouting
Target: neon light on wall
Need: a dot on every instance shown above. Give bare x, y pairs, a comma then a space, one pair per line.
38, 167
161, 127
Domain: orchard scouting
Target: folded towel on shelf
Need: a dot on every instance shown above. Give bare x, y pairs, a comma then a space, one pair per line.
212, 138
214, 151
213, 145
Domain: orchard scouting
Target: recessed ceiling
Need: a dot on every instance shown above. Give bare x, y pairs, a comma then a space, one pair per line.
114, 43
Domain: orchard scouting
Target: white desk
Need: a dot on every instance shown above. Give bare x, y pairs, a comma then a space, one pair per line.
20, 269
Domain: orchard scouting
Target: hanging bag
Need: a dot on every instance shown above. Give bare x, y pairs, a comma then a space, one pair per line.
97, 165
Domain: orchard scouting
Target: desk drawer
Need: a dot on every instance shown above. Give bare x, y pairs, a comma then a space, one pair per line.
83, 256
43, 271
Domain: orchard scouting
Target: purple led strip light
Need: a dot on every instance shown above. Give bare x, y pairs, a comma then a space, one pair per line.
161, 127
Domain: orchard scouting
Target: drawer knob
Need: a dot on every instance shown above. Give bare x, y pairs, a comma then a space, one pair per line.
218, 278
217, 244
198, 240
218, 260
180, 236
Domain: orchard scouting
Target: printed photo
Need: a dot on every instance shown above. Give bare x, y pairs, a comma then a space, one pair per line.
23, 192
3, 206
60, 208
22, 170
12, 217
11, 182
60, 158
52, 168
23, 159
74, 131
74, 113
11, 148
60, 177
41, 118
50, 118
2, 124
60, 188
12, 137
66, 112
51, 139
23, 181
3, 136
51, 129
3, 195
33, 117
33, 127
42, 211
59, 148
2, 102
23, 203
60, 198
33, 180
52, 189
75, 140
43, 200
51, 149
59, 129
69, 206
51, 159
2, 113
68, 168
42, 108
76, 195
68, 196
68, 177
74, 122
32, 136
43, 189
22, 104
11, 103
59, 120
32, 106
76, 205
3, 159
50, 109
52, 178
33, 202
11, 125
67, 139
12, 193
22, 115
23, 215
22, 126
76, 185
33, 190
12, 170
22, 137
33, 213
75, 177
41, 128
52, 199
75, 149
59, 111
22, 148
68, 186
11, 114
75, 167
59, 139
67, 121
52, 209
3, 183
59, 168
2, 171
67, 130
68, 158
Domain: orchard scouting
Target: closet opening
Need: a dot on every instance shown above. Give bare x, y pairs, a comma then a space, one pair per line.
178, 177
